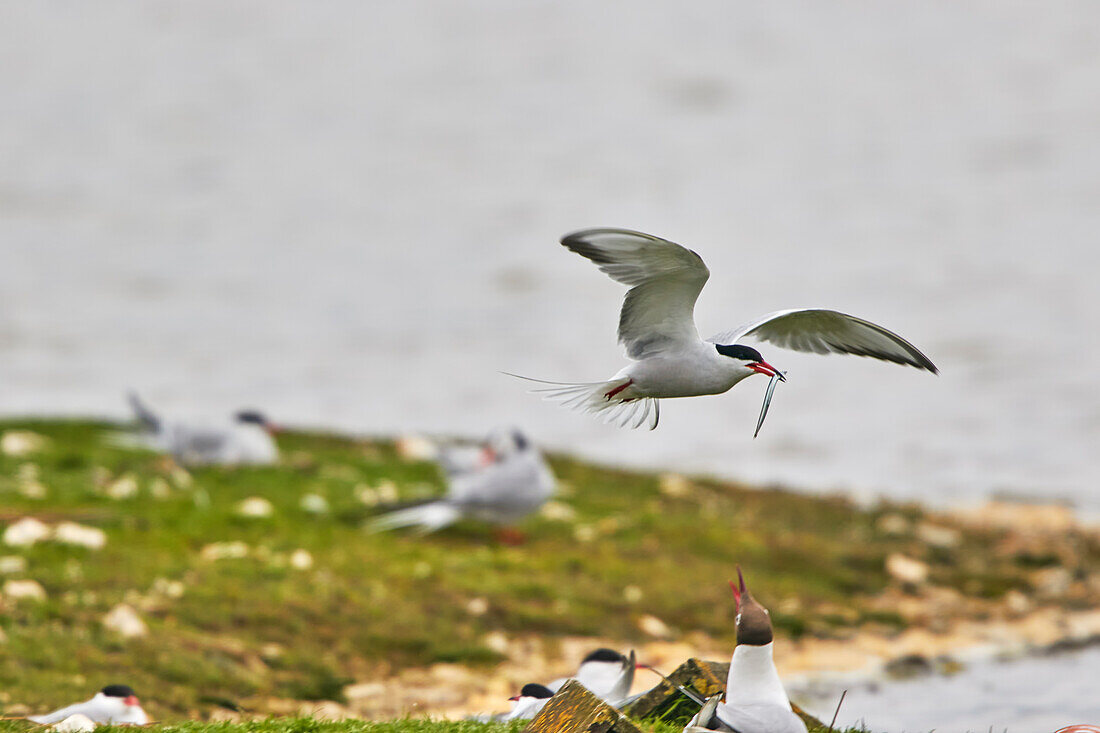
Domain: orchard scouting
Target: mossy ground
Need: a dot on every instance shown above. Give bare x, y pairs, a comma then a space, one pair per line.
253, 628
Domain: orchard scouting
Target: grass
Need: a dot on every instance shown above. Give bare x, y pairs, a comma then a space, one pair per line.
248, 629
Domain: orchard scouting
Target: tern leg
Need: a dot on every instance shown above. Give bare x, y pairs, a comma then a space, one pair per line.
618, 389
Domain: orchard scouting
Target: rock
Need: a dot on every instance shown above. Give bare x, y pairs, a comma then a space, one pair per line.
576, 710
653, 626
906, 569
674, 485
224, 715
180, 477
325, 710
33, 489
160, 489
314, 504
30, 590
255, 507
124, 487
584, 533
496, 641
477, 607
71, 533
168, 588
21, 443
301, 560
224, 551
1021, 517
558, 511
124, 621
632, 594
894, 524
12, 564
1051, 582
416, 448
1017, 603
26, 532
73, 724
938, 536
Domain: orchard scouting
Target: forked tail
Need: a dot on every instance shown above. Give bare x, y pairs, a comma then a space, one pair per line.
428, 517
146, 417
608, 400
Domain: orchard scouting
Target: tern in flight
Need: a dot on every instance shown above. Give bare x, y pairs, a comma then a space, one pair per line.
669, 359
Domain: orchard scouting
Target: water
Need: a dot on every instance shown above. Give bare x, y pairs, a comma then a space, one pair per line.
348, 215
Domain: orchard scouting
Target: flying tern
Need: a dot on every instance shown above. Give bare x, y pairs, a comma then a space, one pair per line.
246, 439
514, 482
755, 699
114, 704
669, 359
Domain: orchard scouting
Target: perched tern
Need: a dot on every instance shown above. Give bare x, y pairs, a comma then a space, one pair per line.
516, 482
755, 699
669, 359
606, 673
114, 704
529, 701
247, 439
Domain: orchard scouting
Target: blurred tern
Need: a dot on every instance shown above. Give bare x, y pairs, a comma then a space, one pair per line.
114, 704
669, 359
529, 701
606, 673
247, 439
755, 699
515, 482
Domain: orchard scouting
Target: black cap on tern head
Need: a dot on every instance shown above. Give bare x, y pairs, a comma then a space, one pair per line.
754, 625
520, 440
532, 689
604, 655
251, 416
118, 691
744, 353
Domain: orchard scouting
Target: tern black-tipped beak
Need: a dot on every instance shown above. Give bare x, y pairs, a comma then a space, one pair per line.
763, 367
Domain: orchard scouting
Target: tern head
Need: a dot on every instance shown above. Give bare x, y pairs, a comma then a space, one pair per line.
255, 417
749, 358
754, 624
503, 443
537, 691
125, 693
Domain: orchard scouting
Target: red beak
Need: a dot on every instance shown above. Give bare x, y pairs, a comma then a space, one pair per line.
131, 700
488, 456
514, 698
763, 367
739, 589
273, 429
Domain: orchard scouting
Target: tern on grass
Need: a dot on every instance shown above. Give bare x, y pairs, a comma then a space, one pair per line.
669, 359
114, 704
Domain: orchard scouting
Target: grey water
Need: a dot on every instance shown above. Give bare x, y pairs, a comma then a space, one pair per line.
347, 214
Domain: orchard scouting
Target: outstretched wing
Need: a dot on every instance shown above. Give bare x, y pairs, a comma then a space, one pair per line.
823, 331
664, 278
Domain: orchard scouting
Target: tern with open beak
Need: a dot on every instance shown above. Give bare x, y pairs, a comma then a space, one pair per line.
669, 359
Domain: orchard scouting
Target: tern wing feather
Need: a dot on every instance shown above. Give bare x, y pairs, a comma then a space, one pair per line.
820, 331
665, 280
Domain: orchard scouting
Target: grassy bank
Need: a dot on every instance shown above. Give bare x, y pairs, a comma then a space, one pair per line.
258, 622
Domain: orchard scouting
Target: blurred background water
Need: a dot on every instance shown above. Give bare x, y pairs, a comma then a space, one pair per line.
347, 214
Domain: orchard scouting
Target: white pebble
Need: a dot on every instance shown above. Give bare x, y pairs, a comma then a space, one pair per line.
71, 533
224, 551
124, 621
314, 504
301, 560
26, 532
10, 564
255, 507
21, 442
24, 589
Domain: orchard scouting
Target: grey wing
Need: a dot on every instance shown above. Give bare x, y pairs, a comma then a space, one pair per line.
820, 331
665, 280
760, 719
505, 490
456, 459
200, 445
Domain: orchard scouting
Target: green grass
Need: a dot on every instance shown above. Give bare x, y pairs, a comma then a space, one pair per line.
255, 628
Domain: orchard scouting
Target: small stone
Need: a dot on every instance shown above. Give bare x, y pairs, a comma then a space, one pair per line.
558, 511
674, 485
160, 489
168, 588
1051, 582
906, 569
271, 651
655, 627
1017, 603
416, 448
124, 620
21, 443
632, 594
30, 590
33, 489
74, 724
180, 477
222, 715
26, 532
124, 487
584, 533
301, 560
255, 507
937, 536
71, 533
11, 564
477, 606
314, 504
496, 641
893, 524
224, 551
